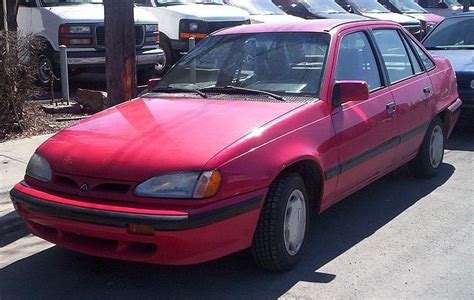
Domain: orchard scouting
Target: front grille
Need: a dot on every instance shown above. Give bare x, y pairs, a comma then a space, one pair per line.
100, 36
214, 26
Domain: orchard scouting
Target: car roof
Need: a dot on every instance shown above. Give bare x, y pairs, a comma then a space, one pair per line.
463, 14
320, 25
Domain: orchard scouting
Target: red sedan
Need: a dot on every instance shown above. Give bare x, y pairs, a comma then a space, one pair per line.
252, 131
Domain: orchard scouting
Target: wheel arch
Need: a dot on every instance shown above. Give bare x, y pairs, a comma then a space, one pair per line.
312, 174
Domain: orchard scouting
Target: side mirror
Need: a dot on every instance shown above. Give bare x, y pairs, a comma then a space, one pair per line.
151, 84
349, 90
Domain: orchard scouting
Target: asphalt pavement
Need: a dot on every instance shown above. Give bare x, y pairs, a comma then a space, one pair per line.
400, 237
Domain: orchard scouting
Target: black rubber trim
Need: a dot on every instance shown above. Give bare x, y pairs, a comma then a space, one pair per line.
357, 160
120, 219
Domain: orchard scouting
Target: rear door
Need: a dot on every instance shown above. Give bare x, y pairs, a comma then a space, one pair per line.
366, 131
411, 89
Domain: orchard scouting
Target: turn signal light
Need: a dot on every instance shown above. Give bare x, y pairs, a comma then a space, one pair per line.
187, 35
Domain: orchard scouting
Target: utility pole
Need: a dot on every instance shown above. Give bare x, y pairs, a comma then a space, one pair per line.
120, 51
465, 5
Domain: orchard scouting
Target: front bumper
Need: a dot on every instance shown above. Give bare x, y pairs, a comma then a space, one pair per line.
95, 58
179, 237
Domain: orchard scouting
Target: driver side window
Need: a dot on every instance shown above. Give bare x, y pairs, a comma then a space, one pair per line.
356, 61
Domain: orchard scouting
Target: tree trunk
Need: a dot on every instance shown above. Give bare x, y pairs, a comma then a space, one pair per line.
120, 51
12, 12
465, 5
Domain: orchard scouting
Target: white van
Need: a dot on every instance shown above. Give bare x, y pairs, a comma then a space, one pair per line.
181, 19
79, 24
263, 11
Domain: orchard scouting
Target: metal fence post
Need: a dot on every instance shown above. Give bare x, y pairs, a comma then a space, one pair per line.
64, 73
192, 44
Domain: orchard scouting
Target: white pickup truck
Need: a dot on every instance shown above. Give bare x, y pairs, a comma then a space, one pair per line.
79, 24
181, 19
263, 11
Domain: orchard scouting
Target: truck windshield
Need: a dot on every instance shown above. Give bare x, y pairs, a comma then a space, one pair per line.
368, 6
407, 6
257, 7
68, 2
452, 34
281, 63
180, 2
327, 6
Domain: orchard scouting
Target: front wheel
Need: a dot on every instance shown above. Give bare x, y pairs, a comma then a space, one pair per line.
431, 153
281, 230
167, 62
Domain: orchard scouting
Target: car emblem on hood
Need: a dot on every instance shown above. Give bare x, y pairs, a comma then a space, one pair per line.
84, 187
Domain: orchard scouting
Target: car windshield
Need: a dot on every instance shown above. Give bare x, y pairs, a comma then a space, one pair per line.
282, 63
323, 6
68, 2
454, 33
179, 2
368, 6
257, 7
407, 6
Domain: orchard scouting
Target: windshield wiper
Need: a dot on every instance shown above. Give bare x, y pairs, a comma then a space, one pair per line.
228, 88
169, 89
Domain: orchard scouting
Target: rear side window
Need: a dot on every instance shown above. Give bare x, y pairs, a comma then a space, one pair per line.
356, 61
424, 58
414, 61
394, 54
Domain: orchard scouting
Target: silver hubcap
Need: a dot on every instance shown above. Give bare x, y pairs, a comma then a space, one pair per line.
295, 222
161, 64
44, 69
436, 146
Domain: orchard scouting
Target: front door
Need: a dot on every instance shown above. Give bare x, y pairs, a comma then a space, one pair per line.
366, 131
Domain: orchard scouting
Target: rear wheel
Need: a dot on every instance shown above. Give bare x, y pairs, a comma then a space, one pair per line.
281, 230
431, 154
45, 69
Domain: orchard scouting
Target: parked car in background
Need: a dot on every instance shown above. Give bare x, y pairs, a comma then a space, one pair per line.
181, 20
445, 8
246, 136
263, 11
316, 9
412, 9
79, 25
454, 39
374, 10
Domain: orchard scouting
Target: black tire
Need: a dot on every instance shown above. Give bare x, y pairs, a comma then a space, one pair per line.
268, 246
45, 65
145, 74
427, 163
162, 68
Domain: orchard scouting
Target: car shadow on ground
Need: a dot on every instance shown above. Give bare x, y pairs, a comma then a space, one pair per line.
59, 273
462, 137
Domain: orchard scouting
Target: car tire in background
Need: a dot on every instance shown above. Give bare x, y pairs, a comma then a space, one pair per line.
431, 153
281, 230
167, 62
45, 65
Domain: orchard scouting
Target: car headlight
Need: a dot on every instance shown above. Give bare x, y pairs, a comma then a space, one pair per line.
189, 185
472, 84
81, 29
193, 26
38, 168
151, 28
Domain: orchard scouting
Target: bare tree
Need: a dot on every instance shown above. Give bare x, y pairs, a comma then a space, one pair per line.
12, 12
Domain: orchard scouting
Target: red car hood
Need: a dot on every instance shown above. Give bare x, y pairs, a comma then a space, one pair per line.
147, 137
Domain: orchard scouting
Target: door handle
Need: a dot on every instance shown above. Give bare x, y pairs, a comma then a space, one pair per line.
427, 90
391, 106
